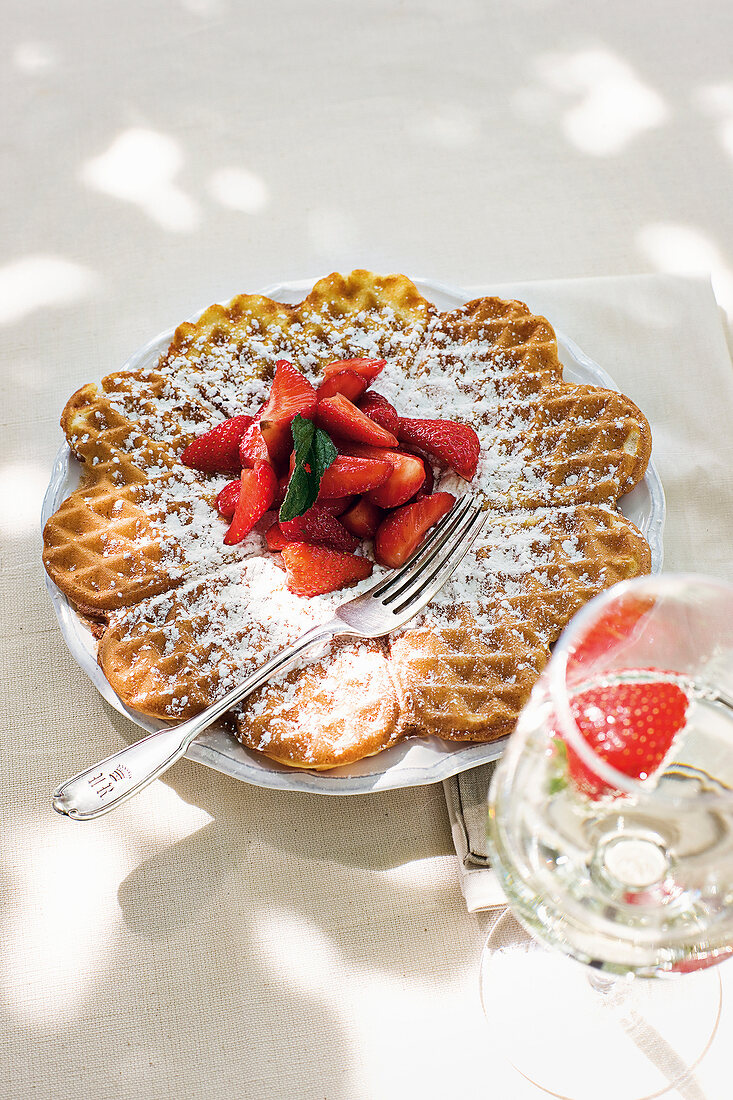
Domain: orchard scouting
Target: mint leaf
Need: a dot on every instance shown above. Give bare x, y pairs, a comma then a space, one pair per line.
314, 453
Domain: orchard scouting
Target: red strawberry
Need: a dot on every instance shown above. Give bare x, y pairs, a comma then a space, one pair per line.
257, 492
347, 382
428, 484
226, 502
346, 476
275, 538
313, 570
340, 417
217, 451
318, 526
335, 505
363, 518
408, 474
402, 531
454, 444
614, 627
291, 394
629, 726
367, 368
378, 409
253, 446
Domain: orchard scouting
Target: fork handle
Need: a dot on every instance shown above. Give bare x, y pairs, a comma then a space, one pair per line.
106, 785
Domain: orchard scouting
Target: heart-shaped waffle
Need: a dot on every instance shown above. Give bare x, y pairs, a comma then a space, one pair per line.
139, 546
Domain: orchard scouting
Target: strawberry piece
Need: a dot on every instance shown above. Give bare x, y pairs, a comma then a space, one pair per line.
318, 526
427, 486
340, 417
335, 505
256, 494
291, 394
363, 518
454, 444
408, 474
429, 483
313, 570
346, 475
253, 446
226, 502
275, 538
347, 382
378, 409
615, 627
367, 368
402, 531
217, 451
629, 726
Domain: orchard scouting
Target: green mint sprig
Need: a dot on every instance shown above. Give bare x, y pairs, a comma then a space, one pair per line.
314, 453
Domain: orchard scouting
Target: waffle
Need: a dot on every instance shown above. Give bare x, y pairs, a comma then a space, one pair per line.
139, 545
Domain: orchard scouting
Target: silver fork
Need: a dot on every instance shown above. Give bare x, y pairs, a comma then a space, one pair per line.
383, 608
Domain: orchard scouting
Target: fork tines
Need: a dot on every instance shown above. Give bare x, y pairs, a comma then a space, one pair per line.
434, 561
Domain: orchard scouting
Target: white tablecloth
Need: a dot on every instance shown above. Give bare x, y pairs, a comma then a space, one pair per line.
212, 939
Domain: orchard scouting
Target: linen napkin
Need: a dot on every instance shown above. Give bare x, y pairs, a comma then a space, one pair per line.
663, 341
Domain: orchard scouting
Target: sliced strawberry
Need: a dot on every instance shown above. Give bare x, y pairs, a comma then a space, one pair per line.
313, 570
319, 526
428, 484
347, 382
291, 394
253, 446
257, 492
340, 417
335, 505
401, 532
408, 474
452, 443
378, 409
226, 502
217, 451
629, 726
367, 368
363, 518
616, 626
346, 475
282, 488
275, 538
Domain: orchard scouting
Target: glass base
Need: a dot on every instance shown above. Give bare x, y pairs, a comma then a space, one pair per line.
630, 1039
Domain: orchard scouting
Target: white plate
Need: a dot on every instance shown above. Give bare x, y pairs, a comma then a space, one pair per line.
412, 763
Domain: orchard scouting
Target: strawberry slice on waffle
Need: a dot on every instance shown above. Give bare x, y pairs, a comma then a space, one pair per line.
402, 531
291, 394
453, 444
256, 494
315, 570
367, 368
217, 451
343, 419
379, 409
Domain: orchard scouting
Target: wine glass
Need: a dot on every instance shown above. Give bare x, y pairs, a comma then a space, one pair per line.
611, 830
